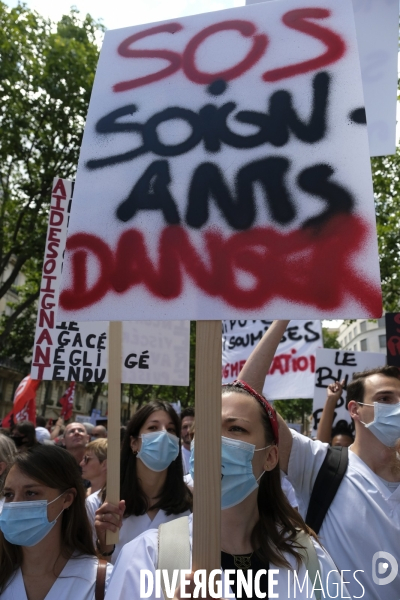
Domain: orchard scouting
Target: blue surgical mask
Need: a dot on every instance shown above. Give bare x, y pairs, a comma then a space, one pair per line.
26, 523
386, 423
159, 449
237, 478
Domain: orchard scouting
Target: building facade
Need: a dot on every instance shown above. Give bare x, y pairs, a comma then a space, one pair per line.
363, 335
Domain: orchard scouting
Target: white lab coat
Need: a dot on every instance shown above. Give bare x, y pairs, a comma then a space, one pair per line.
142, 553
131, 526
76, 582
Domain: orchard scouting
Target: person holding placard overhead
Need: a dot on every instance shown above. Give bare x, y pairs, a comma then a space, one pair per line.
360, 526
46, 547
260, 531
152, 486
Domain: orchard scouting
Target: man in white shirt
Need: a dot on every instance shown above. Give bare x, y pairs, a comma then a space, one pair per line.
364, 517
187, 422
361, 529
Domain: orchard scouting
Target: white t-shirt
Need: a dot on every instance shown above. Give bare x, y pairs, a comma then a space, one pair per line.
142, 553
131, 526
77, 580
364, 517
288, 490
185, 460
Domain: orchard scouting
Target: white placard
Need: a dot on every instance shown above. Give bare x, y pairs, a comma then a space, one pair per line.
223, 173
377, 37
292, 371
154, 352
335, 365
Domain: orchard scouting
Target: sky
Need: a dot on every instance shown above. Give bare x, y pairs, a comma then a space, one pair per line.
121, 13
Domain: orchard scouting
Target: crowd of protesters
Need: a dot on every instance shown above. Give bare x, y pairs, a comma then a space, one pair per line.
278, 513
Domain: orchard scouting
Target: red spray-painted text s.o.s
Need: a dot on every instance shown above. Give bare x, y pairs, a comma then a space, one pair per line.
276, 262
300, 20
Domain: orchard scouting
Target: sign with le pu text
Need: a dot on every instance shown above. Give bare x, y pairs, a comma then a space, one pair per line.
153, 352
292, 370
224, 172
336, 365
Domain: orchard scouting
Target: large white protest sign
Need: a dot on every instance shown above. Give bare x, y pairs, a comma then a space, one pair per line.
292, 371
153, 352
335, 365
377, 38
224, 172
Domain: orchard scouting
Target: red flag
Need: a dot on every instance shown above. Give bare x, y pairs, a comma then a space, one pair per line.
24, 404
67, 402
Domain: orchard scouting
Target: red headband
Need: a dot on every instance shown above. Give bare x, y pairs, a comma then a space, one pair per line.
264, 403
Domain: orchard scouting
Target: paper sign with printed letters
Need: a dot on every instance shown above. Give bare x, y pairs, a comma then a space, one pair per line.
336, 365
153, 352
225, 173
292, 371
377, 38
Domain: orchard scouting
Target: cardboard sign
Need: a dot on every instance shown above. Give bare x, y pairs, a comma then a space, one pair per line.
393, 339
292, 371
153, 352
225, 173
335, 365
377, 38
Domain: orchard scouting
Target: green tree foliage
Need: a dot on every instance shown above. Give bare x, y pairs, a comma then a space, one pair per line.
386, 178
47, 72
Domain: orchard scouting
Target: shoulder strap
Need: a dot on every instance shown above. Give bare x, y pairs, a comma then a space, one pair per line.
101, 579
326, 485
173, 547
310, 559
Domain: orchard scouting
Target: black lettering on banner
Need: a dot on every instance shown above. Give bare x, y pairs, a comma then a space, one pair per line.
151, 193
74, 374
315, 335
85, 360
348, 359
101, 342
59, 360
90, 337
292, 333
325, 376
77, 341
57, 374
210, 125
75, 361
73, 326
63, 339
144, 357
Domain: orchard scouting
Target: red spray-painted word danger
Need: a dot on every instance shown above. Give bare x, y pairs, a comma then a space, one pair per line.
298, 20
283, 265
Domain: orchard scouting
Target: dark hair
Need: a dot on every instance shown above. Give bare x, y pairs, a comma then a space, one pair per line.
275, 532
356, 388
56, 469
40, 421
342, 428
27, 429
187, 412
175, 496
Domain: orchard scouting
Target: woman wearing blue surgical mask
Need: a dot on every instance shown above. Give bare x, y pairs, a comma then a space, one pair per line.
46, 547
152, 487
259, 529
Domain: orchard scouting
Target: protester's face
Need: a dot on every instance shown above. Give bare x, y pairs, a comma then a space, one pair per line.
377, 388
98, 432
91, 466
75, 436
342, 440
186, 436
242, 420
20, 487
159, 420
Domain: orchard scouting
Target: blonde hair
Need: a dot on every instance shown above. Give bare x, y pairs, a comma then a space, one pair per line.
99, 448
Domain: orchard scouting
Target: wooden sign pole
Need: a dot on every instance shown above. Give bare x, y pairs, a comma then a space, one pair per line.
207, 466
114, 418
